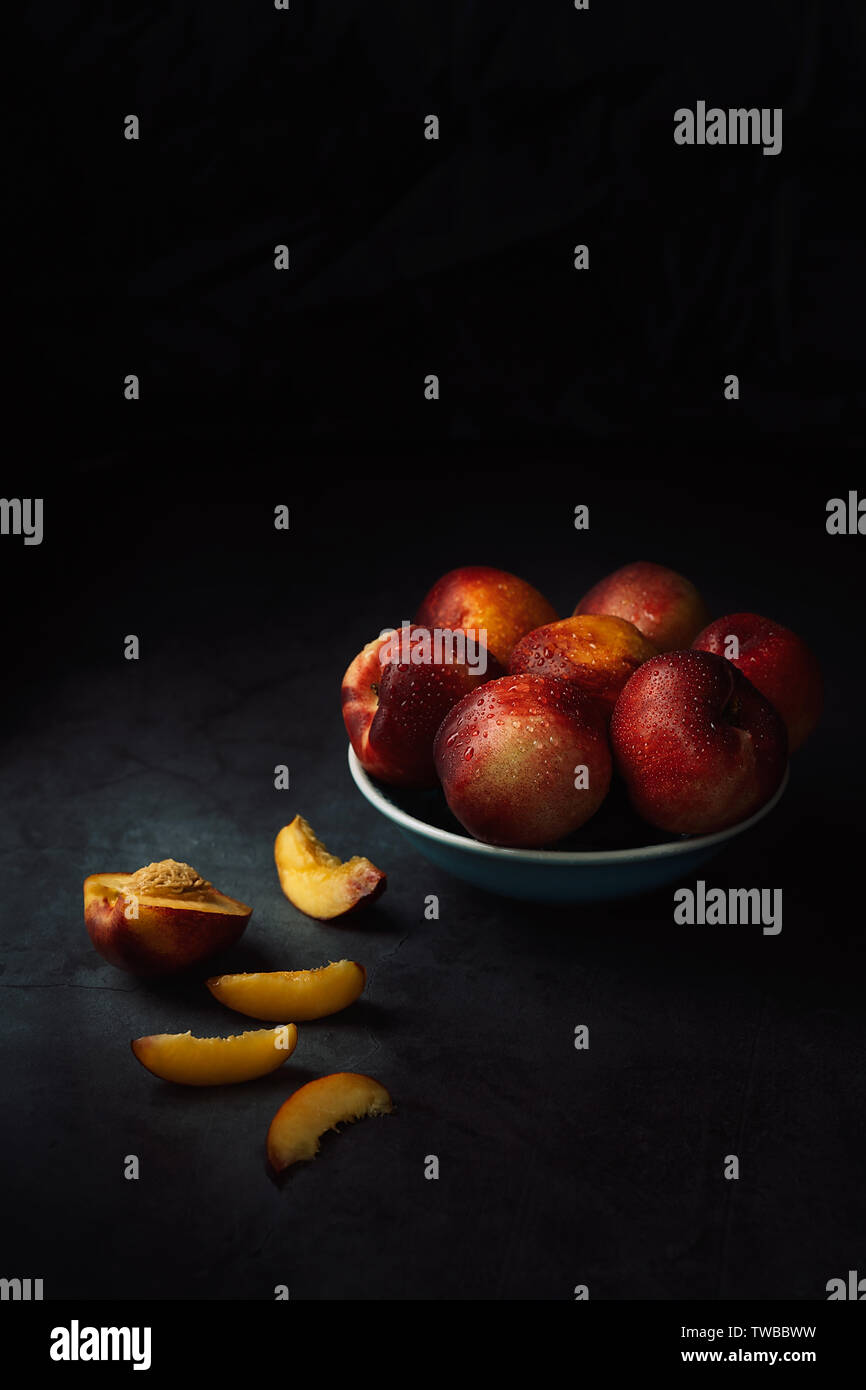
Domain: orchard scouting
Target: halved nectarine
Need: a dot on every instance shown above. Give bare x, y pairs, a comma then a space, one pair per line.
160, 919
298, 994
316, 881
319, 1106
193, 1061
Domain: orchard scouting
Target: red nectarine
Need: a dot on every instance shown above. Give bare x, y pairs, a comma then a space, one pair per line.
777, 662
497, 606
699, 748
663, 605
524, 760
398, 690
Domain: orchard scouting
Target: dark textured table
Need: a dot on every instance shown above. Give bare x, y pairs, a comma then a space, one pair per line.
557, 1167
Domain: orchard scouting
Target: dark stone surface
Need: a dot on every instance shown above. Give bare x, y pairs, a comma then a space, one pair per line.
558, 1167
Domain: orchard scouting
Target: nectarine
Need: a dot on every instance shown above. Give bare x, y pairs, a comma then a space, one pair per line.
398, 690
777, 662
160, 919
662, 604
316, 881
699, 748
321, 1105
497, 606
597, 653
190, 1061
297, 994
524, 761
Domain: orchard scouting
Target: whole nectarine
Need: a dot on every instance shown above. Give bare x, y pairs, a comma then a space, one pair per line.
597, 653
524, 761
776, 661
662, 604
699, 748
398, 690
495, 605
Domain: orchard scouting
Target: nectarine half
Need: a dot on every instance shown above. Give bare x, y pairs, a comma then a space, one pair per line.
160, 919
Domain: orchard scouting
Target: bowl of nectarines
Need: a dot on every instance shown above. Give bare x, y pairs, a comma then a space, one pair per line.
566, 759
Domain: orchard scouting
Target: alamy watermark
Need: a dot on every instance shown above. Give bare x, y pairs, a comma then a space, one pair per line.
422, 646
738, 125
22, 516
703, 906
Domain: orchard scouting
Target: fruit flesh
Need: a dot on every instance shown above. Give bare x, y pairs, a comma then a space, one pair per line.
321, 1105
189, 1061
111, 886
316, 881
301, 995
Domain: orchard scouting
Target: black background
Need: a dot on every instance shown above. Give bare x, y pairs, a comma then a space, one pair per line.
558, 388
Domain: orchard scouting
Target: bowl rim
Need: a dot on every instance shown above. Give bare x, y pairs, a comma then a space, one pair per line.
561, 857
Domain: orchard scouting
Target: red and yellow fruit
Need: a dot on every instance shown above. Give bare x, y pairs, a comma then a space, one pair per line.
597, 653
396, 693
499, 607
661, 604
524, 761
161, 919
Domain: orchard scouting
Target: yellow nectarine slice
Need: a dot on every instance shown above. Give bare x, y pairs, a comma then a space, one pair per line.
216, 1061
297, 994
319, 1106
316, 881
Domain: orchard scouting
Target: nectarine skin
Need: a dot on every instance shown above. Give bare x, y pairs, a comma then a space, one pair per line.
663, 605
699, 748
777, 662
487, 600
507, 757
163, 939
392, 710
598, 653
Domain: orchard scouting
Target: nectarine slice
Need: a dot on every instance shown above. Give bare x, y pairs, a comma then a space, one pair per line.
193, 1061
297, 994
160, 919
319, 1106
316, 881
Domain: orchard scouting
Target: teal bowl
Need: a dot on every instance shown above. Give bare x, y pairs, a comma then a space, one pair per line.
550, 875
